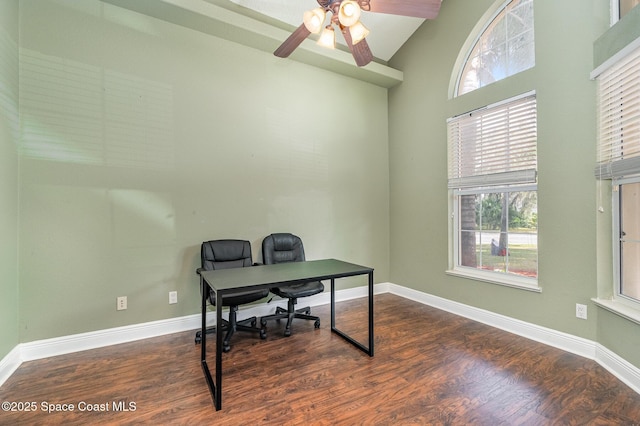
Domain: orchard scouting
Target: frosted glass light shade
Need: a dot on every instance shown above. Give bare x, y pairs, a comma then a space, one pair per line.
358, 32
314, 19
349, 13
327, 38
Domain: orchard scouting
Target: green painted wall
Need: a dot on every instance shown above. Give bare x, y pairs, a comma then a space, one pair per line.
565, 32
155, 137
141, 139
9, 134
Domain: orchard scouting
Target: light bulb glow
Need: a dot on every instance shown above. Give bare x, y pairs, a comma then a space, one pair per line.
327, 38
313, 20
349, 9
349, 13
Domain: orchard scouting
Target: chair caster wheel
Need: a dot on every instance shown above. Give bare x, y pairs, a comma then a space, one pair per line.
287, 333
226, 348
263, 334
316, 324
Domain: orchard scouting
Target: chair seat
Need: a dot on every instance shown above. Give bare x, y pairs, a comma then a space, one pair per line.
226, 254
282, 248
295, 291
240, 299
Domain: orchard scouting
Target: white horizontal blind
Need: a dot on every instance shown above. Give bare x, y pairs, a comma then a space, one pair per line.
496, 145
619, 118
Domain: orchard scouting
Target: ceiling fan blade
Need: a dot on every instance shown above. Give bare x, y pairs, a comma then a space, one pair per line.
292, 42
360, 51
427, 9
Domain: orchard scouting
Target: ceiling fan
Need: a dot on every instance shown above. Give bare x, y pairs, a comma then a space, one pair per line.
346, 17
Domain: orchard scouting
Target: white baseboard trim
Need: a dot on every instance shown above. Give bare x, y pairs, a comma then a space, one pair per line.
96, 339
619, 367
112, 336
567, 342
9, 364
628, 373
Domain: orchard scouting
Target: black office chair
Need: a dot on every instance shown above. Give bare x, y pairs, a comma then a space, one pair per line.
279, 248
223, 254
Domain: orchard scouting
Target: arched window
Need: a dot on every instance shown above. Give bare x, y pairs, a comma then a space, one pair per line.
505, 46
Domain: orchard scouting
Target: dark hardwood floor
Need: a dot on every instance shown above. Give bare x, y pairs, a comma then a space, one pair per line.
430, 367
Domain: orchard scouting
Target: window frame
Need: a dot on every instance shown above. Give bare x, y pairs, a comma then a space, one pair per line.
618, 296
472, 41
500, 278
615, 11
455, 192
616, 165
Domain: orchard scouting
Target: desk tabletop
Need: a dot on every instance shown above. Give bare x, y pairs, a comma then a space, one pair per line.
281, 273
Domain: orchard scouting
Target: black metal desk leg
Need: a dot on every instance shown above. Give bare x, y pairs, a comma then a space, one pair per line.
368, 350
371, 314
203, 342
218, 351
203, 330
333, 303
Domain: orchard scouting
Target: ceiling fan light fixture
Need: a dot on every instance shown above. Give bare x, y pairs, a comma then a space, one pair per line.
314, 19
358, 32
328, 38
349, 13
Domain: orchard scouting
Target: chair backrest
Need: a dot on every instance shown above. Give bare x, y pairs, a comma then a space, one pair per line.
281, 248
224, 254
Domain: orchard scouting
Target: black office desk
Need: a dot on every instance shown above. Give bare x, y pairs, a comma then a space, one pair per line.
227, 282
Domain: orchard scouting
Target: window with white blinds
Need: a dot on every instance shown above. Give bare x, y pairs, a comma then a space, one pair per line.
619, 119
495, 145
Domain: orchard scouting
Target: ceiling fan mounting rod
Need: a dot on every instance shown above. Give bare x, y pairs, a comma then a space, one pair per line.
333, 6
330, 5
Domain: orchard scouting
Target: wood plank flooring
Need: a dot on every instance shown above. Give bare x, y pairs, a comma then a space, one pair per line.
430, 367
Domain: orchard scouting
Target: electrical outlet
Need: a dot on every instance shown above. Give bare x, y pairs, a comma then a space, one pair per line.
121, 303
581, 311
173, 297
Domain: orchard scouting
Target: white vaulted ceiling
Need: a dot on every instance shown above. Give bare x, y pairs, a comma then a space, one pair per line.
388, 32
265, 24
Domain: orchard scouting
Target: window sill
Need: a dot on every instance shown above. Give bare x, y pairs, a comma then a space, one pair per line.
488, 277
619, 308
